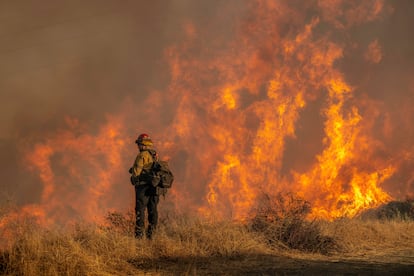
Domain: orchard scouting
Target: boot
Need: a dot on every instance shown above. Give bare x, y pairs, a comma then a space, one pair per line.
139, 233
150, 231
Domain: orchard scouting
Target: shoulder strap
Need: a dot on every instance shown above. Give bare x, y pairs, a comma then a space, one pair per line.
153, 154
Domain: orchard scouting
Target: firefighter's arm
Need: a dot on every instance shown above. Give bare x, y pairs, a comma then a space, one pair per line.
138, 165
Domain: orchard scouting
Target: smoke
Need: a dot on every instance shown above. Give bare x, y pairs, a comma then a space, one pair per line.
216, 84
373, 53
71, 60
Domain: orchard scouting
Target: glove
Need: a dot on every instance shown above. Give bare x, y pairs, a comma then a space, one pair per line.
132, 179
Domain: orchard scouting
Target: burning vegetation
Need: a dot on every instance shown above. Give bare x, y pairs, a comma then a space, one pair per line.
254, 100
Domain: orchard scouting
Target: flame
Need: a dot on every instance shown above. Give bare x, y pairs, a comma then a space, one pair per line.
324, 180
76, 171
250, 138
234, 106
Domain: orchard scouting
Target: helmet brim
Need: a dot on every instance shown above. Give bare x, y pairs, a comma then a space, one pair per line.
147, 143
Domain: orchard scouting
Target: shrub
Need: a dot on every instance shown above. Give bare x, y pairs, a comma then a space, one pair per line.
282, 222
397, 210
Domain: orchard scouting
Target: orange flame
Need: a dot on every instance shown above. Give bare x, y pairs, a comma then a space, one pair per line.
78, 180
334, 199
227, 117
279, 75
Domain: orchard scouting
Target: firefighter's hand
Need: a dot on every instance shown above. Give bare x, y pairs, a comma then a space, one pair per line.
133, 180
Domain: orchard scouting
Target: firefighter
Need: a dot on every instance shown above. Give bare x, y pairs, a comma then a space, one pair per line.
146, 196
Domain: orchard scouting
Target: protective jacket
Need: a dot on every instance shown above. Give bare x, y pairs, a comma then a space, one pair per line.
144, 159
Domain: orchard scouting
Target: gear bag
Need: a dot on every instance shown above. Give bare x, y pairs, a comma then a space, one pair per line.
161, 175
158, 174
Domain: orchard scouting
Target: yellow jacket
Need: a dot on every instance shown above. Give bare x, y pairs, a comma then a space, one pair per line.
144, 158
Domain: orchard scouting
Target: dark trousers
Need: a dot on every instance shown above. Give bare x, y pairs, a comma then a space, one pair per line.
146, 197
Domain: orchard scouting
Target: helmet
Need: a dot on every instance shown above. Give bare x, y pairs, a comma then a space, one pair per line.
144, 140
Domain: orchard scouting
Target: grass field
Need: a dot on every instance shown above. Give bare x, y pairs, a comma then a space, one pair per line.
267, 244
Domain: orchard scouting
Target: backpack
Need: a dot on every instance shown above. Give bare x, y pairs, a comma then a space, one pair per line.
158, 174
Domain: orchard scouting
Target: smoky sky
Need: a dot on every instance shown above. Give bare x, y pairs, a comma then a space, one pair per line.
84, 59
78, 59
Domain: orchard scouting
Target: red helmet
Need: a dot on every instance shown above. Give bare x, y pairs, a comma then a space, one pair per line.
144, 139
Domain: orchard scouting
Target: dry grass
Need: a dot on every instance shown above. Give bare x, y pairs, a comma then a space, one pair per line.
359, 237
84, 250
111, 250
